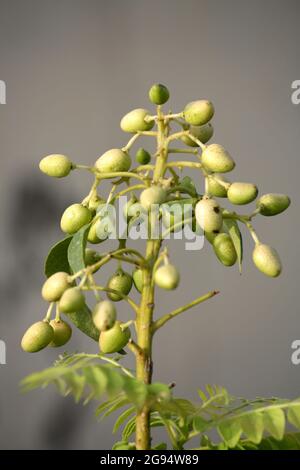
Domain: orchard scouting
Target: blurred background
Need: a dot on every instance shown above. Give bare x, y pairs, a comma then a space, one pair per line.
73, 68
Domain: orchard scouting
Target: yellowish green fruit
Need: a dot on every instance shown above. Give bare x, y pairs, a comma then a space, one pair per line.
273, 204
114, 160
75, 217
151, 196
161, 392
167, 277
208, 215
131, 208
98, 232
215, 188
72, 300
62, 333
37, 337
134, 121
121, 282
202, 133
159, 94
114, 339
104, 315
56, 165
198, 112
242, 193
137, 277
210, 236
215, 158
267, 260
95, 202
55, 286
224, 249
142, 156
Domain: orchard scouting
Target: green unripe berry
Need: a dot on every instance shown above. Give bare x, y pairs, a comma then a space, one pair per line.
215, 158
104, 315
62, 333
210, 236
113, 160
224, 249
75, 217
142, 156
215, 188
198, 112
56, 165
132, 207
208, 215
167, 277
121, 282
202, 133
273, 204
72, 300
91, 257
114, 339
267, 260
137, 277
55, 286
160, 392
95, 202
134, 121
159, 94
242, 193
98, 232
37, 337
153, 195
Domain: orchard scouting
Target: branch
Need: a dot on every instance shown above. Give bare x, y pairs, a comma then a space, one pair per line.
161, 321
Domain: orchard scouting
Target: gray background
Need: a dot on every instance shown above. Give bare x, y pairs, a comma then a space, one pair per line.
72, 69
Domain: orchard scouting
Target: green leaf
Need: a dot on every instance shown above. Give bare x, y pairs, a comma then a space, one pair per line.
274, 422
160, 446
129, 429
122, 418
293, 415
76, 250
200, 424
290, 441
236, 237
83, 321
253, 426
57, 259
230, 431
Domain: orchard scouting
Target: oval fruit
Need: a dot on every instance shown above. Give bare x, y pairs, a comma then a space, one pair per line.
142, 156
224, 249
159, 94
62, 333
151, 196
72, 300
202, 133
137, 277
113, 160
37, 337
95, 202
104, 315
167, 277
198, 112
215, 158
121, 282
208, 215
98, 232
56, 165
215, 188
242, 193
55, 286
267, 260
114, 339
75, 217
134, 121
273, 204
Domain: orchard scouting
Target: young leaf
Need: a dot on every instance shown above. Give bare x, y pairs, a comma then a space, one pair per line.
76, 250
230, 431
236, 237
274, 422
122, 418
293, 415
57, 259
253, 426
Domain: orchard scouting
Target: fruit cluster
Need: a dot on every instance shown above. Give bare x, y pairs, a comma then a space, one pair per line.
160, 183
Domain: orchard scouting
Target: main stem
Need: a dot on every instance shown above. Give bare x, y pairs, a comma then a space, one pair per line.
144, 365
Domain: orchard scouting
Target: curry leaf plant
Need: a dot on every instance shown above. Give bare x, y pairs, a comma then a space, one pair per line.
165, 201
